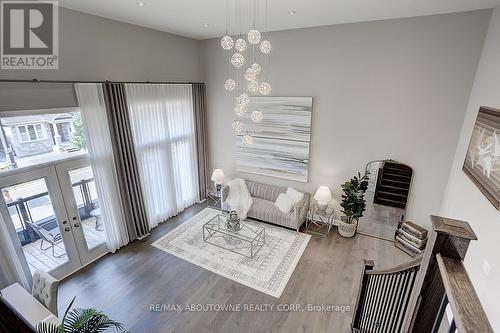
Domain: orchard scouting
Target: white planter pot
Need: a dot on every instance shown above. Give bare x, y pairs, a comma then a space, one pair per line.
347, 229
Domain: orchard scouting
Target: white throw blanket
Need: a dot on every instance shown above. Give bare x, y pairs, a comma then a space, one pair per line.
239, 198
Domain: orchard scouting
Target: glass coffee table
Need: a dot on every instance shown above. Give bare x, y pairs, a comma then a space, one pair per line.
247, 241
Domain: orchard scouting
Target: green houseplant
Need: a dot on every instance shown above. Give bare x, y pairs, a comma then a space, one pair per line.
81, 321
353, 203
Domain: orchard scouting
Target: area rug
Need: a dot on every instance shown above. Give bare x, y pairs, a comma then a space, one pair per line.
268, 271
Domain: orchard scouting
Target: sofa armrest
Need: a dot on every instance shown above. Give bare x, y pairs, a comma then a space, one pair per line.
300, 208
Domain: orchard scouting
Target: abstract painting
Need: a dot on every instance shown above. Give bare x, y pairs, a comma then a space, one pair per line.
482, 162
281, 140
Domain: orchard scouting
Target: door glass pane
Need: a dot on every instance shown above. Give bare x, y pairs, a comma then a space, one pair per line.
83, 184
32, 213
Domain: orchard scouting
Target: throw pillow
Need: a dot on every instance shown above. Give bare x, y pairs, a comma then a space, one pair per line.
294, 194
284, 203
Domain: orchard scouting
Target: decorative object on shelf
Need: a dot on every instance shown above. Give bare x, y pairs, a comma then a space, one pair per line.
233, 222
277, 150
411, 238
323, 196
218, 179
482, 161
252, 50
320, 221
353, 204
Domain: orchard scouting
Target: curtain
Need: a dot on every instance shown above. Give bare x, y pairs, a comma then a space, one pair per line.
13, 265
202, 153
93, 113
163, 130
125, 160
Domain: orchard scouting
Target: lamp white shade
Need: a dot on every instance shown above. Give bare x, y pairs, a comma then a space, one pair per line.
217, 176
323, 195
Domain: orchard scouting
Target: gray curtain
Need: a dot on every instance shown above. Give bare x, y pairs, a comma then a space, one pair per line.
125, 160
200, 115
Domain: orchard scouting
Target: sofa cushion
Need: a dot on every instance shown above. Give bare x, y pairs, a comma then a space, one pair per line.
265, 210
264, 191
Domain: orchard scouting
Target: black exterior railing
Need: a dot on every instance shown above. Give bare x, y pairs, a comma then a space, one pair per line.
22, 208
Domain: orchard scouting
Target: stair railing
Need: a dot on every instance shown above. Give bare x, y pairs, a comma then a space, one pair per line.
413, 297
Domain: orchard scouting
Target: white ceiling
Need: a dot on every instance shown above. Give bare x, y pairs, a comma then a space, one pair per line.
187, 17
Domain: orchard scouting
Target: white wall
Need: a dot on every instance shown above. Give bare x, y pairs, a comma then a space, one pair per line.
388, 89
97, 48
463, 200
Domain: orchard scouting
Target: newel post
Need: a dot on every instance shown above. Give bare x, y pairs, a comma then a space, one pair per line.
451, 239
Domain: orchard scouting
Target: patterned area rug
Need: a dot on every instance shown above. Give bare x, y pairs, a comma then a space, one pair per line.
268, 271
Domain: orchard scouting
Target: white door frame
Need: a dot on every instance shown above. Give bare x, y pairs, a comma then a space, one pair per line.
50, 177
62, 170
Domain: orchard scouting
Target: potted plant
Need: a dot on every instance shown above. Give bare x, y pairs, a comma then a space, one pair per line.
353, 204
81, 321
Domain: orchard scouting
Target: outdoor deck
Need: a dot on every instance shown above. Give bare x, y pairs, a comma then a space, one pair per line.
43, 260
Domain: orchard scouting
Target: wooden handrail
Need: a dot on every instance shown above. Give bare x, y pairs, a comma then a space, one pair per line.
468, 313
403, 267
423, 288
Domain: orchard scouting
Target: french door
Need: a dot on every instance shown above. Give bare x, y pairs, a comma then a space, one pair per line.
54, 211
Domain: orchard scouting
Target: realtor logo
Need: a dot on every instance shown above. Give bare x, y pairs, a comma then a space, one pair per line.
29, 35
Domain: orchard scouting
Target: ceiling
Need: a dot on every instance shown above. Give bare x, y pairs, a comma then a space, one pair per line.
188, 17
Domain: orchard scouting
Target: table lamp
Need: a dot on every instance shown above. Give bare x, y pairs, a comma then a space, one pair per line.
323, 196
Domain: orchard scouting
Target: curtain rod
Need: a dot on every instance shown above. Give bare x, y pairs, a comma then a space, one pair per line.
83, 81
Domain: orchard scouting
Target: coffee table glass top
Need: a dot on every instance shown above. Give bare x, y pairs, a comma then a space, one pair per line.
246, 241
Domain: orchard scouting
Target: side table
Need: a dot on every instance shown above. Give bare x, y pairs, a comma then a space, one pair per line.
320, 221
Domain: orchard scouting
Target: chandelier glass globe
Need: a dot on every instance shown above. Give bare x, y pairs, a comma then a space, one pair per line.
250, 74
247, 140
227, 43
265, 46
253, 86
240, 109
265, 88
253, 36
229, 84
257, 116
240, 45
243, 99
237, 60
256, 68
237, 126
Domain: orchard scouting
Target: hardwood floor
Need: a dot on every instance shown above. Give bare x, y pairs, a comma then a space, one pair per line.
125, 284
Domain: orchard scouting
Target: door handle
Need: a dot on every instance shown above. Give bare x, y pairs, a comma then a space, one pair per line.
65, 222
67, 229
77, 225
74, 218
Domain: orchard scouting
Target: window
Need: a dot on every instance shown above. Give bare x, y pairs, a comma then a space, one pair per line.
31, 132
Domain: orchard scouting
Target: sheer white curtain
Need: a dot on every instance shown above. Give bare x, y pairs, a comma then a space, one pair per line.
92, 109
13, 265
163, 129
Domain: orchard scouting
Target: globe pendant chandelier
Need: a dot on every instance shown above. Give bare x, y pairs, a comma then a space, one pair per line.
247, 61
